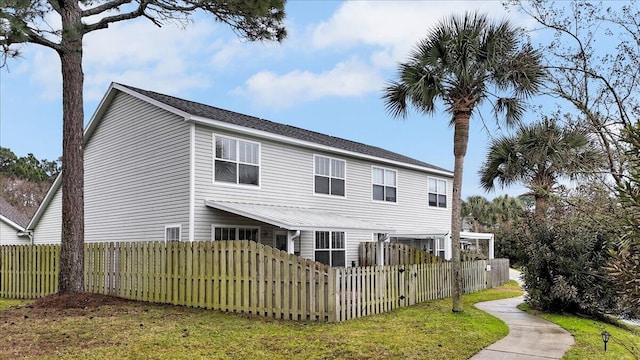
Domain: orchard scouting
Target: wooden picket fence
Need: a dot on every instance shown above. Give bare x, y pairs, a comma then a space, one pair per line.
499, 273
237, 276
27, 271
394, 254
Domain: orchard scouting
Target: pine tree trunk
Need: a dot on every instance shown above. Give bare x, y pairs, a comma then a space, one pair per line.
71, 276
460, 140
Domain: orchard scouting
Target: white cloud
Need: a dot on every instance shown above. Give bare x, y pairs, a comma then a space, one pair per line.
141, 54
136, 52
45, 70
391, 28
347, 79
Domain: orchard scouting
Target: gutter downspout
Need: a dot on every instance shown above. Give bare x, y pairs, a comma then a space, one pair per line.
192, 180
27, 233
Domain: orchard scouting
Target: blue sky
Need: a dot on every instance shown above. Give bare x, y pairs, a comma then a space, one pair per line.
327, 76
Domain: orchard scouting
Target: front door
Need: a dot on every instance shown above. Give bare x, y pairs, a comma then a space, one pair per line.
281, 240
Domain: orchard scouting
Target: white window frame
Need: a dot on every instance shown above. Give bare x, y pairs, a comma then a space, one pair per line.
173, 226
330, 249
384, 186
437, 241
438, 193
237, 227
236, 161
315, 156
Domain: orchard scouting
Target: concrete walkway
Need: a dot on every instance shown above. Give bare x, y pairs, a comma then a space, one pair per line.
529, 338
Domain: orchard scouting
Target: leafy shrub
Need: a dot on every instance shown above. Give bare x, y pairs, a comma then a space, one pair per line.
624, 265
564, 268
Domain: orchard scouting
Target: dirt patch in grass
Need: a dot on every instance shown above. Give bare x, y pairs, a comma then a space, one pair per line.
78, 301
58, 324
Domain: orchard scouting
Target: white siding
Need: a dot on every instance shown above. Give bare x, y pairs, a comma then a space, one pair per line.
136, 177
9, 235
286, 178
49, 228
136, 173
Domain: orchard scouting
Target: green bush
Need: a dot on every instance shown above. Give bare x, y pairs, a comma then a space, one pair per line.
564, 269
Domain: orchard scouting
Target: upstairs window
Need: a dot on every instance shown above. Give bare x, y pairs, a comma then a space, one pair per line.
236, 161
384, 184
330, 248
329, 176
437, 193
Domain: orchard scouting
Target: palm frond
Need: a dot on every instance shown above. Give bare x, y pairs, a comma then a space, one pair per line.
512, 109
395, 99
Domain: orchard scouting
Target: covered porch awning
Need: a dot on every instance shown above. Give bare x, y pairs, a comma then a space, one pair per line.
420, 235
480, 236
297, 218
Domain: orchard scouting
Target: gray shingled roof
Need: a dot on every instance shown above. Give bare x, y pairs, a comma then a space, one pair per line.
7, 210
235, 118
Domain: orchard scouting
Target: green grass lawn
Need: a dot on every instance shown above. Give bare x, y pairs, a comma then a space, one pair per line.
6, 303
623, 344
146, 331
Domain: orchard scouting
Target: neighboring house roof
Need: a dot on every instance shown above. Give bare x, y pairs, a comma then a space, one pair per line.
235, 118
12, 216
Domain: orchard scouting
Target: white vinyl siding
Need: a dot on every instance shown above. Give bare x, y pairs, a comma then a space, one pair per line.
329, 176
49, 228
286, 179
437, 193
236, 161
9, 235
136, 173
384, 184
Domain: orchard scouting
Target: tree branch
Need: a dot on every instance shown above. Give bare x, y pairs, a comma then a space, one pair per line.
104, 22
104, 7
612, 90
26, 35
55, 5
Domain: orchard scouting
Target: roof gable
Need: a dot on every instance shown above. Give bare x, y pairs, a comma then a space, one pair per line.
12, 214
251, 122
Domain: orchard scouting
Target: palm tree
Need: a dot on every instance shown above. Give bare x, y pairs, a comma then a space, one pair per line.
477, 210
506, 210
463, 62
537, 156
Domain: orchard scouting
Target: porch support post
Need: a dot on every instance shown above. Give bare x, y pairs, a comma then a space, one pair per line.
291, 235
491, 244
380, 249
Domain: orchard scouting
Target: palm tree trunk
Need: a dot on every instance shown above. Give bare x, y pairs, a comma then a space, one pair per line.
71, 276
542, 203
460, 140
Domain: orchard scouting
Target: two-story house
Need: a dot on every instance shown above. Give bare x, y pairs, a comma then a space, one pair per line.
162, 168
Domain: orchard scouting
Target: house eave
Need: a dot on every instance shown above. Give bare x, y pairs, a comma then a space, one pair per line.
11, 223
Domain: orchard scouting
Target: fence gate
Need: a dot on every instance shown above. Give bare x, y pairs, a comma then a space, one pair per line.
403, 287
407, 285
